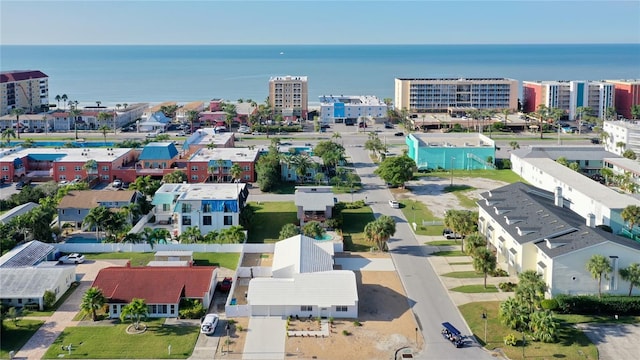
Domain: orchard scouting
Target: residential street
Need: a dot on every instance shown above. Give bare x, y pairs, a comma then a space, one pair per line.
426, 295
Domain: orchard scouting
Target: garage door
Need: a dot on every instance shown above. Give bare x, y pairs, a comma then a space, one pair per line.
277, 310
260, 310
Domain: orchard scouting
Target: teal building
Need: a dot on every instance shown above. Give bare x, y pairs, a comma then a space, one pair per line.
458, 151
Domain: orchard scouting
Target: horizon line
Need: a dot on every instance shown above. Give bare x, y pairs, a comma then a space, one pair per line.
342, 44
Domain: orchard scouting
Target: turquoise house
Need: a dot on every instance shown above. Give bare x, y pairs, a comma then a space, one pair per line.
458, 151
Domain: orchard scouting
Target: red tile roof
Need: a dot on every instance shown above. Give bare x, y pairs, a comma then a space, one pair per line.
156, 285
11, 76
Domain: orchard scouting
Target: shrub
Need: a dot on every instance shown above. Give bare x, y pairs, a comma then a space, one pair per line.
345, 333
549, 304
240, 328
191, 309
334, 223
592, 305
357, 323
510, 340
49, 299
507, 286
331, 320
499, 273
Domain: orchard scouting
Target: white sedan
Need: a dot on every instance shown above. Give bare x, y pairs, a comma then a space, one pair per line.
74, 258
394, 204
209, 324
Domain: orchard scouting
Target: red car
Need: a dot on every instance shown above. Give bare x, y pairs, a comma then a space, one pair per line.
225, 285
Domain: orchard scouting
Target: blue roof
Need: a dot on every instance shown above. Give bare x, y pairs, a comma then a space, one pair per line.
45, 157
158, 151
160, 117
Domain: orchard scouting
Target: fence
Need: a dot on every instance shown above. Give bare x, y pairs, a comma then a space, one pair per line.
128, 247
432, 222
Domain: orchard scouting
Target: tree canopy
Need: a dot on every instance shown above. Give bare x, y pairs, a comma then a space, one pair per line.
599, 267
396, 170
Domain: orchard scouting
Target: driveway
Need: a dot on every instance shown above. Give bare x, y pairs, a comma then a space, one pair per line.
614, 341
36, 347
365, 264
265, 338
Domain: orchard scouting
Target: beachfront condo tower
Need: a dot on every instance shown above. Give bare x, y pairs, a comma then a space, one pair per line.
25, 89
627, 95
289, 96
449, 94
569, 96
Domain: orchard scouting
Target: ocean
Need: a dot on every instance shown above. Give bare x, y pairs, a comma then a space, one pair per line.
130, 74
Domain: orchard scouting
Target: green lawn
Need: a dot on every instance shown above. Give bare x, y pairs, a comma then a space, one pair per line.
416, 211
14, 337
599, 319
461, 263
284, 188
572, 344
269, 218
507, 175
449, 253
112, 342
460, 192
442, 243
226, 260
463, 275
472, 289
354, 221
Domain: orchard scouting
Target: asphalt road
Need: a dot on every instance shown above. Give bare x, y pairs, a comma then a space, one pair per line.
427, 296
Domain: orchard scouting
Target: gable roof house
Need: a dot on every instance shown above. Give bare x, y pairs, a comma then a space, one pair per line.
303, 283
25, 286
28, 254
17, 211
533, 229
162, 287
75, 206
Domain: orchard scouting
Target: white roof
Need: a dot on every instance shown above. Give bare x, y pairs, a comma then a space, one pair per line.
208, 136
174, 253
231, 154
582, 184
314, 201
31, 282
67, 154
453, 140
196, 191
303, 254
325, 289
168, 263
627, 164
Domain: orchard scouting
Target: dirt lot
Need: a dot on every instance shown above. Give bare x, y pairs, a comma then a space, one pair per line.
430, 191
386, 323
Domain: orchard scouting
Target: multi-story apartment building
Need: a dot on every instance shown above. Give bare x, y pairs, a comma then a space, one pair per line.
337, 109
442, 94
569, 96
206, 206
27, 89
627, 95
289, 96
622, 135
214, 164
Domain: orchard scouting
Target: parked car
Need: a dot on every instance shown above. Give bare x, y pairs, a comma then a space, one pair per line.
116, 183
181, 133
21, 184
325, 126
595, 141
74, 258
449, 234
399, 133
388, 125
244, 130
362, 125
394, 204
209, 324
225, 285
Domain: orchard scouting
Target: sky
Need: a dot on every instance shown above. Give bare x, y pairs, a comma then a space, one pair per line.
26, 22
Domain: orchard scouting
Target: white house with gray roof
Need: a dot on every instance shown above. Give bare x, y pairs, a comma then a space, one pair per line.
627, 168
17, 211
314, 203
25, 286
586, 197
590, 158
303, 283
533, 229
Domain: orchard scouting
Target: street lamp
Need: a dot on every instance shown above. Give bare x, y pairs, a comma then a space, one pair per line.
484, 317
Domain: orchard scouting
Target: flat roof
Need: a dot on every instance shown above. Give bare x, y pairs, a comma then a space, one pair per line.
453, 140
457, 79
203, 191
232, 154
569, 152
370, 100
598, 192
627, 164
208, 136
66, 154
631, 124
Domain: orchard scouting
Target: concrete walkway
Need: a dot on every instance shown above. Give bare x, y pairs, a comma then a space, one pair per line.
265, 338
37, 346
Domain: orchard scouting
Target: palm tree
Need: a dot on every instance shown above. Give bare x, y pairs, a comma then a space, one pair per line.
191, 235
192, 115
232, 235
302, 163
631, 215
543, 326
288, 230
473, 242
7, 134
125, 105
514, 145
136, 310
484, 261
96, 218
92, 300
543, 113
98, 103
118, 106
58, 98
506, 113
512, 313
104, 129
64, 99
599, 266
313, 229
17, 112
236, 172
336, 136
380, 231
632, 275
74, 113
621, 145
91, 167
531, 289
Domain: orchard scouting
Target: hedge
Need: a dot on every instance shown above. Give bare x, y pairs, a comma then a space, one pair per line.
592, 305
